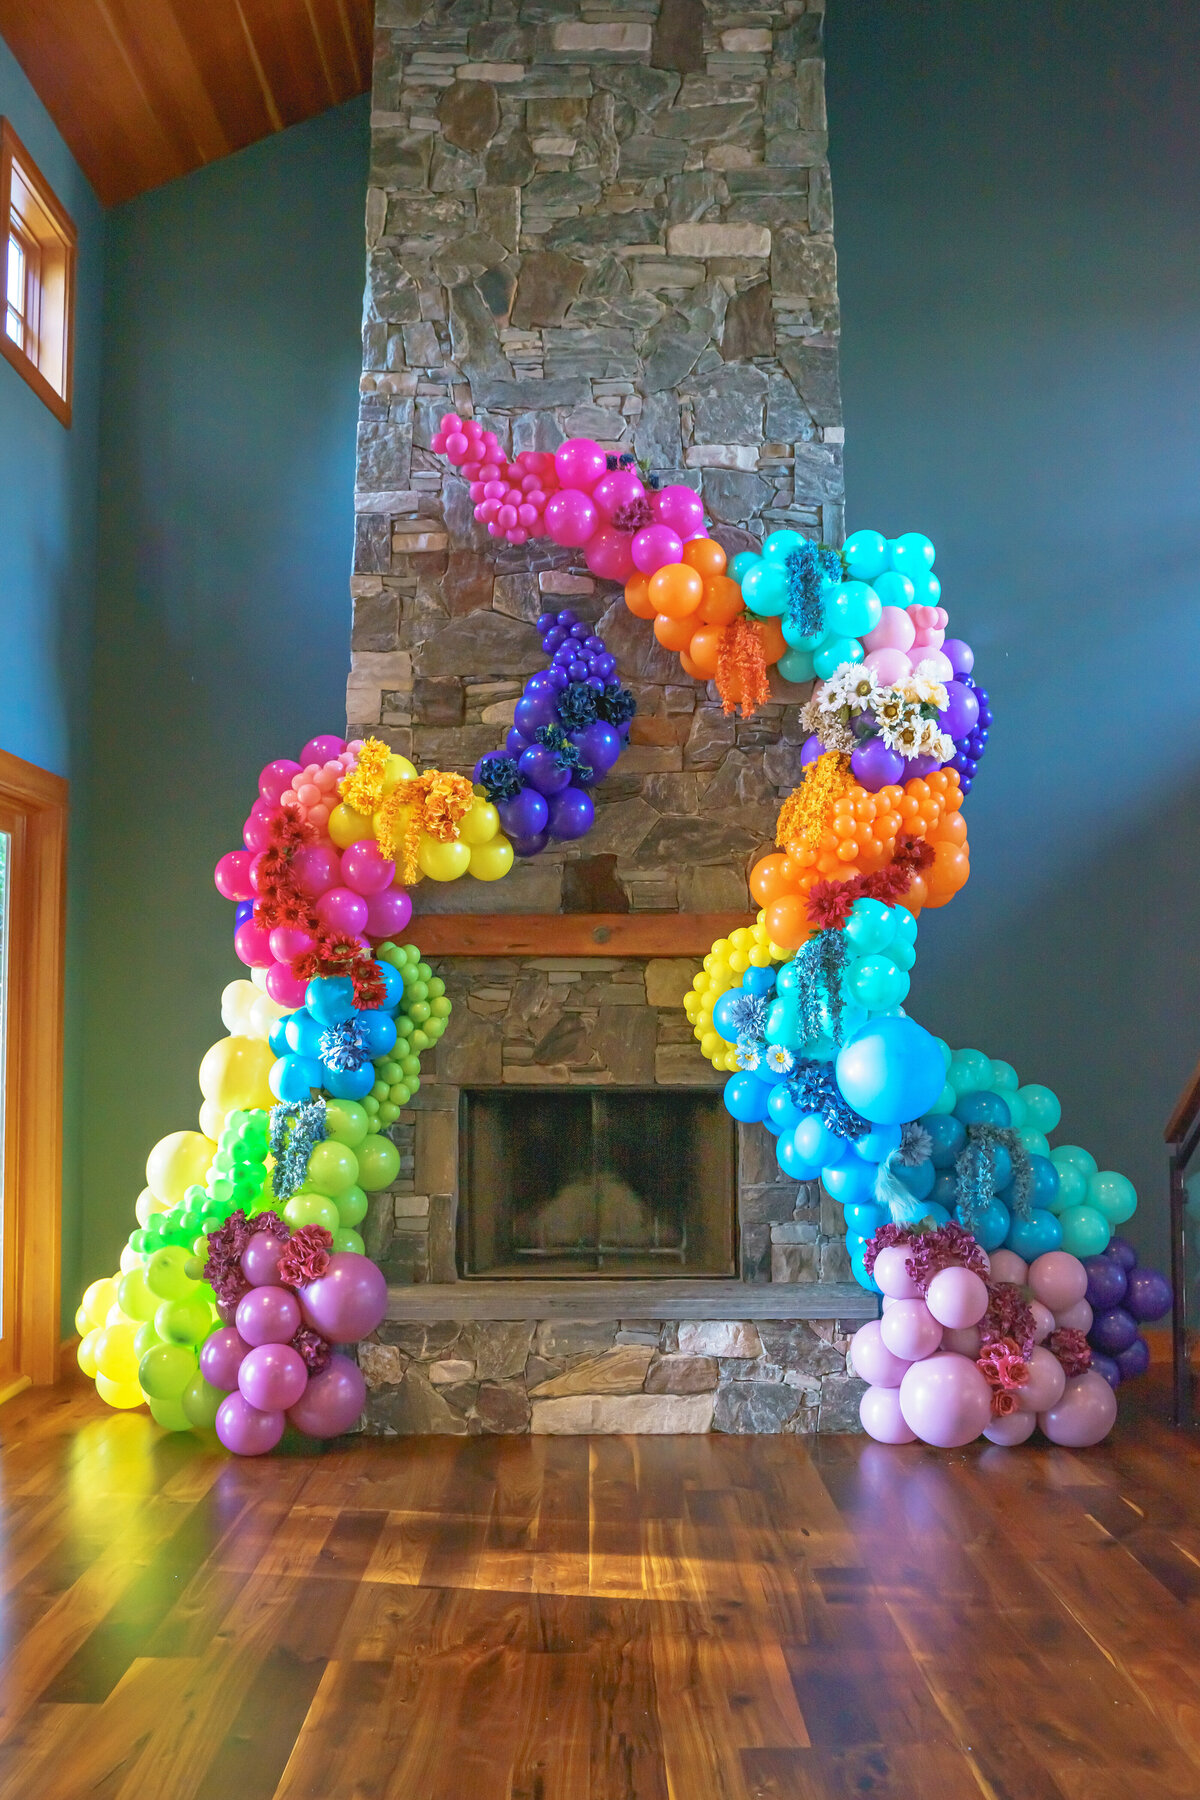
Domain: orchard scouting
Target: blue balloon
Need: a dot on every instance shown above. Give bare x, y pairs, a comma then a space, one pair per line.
782, 1110
378, 1030
1045, 1182
851, 1182
746, 1098
878, 1143
816, 1143
1003, 1167
305, 1034
891, 1071
982, 1108
725, 1014
864, 1219
772, 1126
860, 1273
245, 910
292, 1077
791, 1161
330, 999
1034, 1236
937, 1213
759, 981
918, 1178
992, 1224
945, 1189
350, 1084
393, 985
949, 1134
277, 1036
787, 979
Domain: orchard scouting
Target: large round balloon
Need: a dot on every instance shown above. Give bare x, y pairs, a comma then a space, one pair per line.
891, 1070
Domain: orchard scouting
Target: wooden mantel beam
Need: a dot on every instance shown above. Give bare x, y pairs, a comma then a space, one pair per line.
572, 934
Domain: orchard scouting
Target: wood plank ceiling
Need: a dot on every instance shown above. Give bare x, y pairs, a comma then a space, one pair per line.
146, 90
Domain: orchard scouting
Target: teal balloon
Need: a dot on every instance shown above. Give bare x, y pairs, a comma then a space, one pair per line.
876, 982
1112, 1194
946, 1101
867, 554
1035, 1142
970, 1072
991, 1224
1004, 1078
745, 559
764, 589
779, 546
1072, 1184
853, 608
1035, 1235
834, 652
1085, 1230
796, 665
912, 554
890, 1071
1016, 1108
918, 1178
1075, 1156
870, 926
934, 1214
895, 589
803, 640
1042, 1107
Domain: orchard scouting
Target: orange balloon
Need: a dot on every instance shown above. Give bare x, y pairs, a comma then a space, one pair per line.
722, 601
637, 599
691, 668
673, 634
705, 555
705, 649
769, 879
788, 922
676, 590
773, 641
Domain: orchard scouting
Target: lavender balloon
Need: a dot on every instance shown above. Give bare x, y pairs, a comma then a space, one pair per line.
876, 766
348, 1301
245, 1430
272, 1377
333, 1400
959, 655
221, 1357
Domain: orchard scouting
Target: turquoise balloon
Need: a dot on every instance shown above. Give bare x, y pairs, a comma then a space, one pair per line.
1035, 1235
1072, 1185
803, 640
1042, 1107
928, 589
946, 1101
1034, 1141
796, 665
912, 554
1085, 1230
1112, 1194
970, 1072
764, 589
876, 982
780, 545
895, 589
1075, 1156
869, 926
867, 554
1004, 1078
902, 954
1016, 1108
834, 652
943, 1046
853, 608
745, 559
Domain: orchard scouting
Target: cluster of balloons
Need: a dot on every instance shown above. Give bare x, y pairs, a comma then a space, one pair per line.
693, 603
141, 1332
510, 497
237, 1177
569, 727
937, 1371
1120, 1298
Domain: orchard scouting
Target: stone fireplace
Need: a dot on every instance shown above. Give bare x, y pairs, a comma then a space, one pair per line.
612, 222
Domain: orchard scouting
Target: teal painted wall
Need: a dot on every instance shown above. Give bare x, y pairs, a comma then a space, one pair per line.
1019, 259
232, 354
48, 479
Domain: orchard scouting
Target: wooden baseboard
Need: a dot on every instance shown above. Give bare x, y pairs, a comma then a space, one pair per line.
18, 1384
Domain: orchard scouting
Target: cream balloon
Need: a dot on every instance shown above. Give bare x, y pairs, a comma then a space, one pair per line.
179, 1161
235, 1073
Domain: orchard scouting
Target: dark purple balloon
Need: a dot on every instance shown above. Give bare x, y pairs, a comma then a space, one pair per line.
1123, 1251
875, 765
533, 710
525, 815
599, 745
542, 769
532, 845
552, 639
961, 713
1106, 1282
1134, 1361
1108, 1366
571, 814
1148, 1296
960, 656
1113, 1331
605, 666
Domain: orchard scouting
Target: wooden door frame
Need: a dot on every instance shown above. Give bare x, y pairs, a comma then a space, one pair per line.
34, 1071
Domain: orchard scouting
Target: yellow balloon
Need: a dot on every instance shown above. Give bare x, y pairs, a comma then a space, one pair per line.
120, 1394
235, 1073
398, 769
346, 826
491, 861
443, 862
82, 1323
212, 1119
479, 824
116, 1358
97, 1299
183, 1159
85, 1356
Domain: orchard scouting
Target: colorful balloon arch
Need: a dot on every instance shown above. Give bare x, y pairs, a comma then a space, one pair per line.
247, 1273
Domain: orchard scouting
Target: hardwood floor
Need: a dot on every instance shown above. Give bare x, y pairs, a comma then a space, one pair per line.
706, 1618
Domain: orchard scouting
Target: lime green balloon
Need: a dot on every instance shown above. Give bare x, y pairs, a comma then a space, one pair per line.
345, 1122
166, 1274
1112, 1194
1085, 1230
200, 1401
349, 1240
1042, 1107
134, 1297
165, 1371
378, 1164
312, 1209
169, 1414
352, 1206
332, 1167
1076, 1157
184, 1321
145, 1339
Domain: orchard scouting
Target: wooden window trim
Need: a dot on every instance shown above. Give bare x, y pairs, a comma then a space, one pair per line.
12, 149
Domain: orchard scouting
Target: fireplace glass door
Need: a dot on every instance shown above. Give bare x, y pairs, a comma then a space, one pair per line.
602, 1181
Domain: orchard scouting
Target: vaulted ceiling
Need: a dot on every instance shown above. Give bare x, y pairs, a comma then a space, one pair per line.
145, 90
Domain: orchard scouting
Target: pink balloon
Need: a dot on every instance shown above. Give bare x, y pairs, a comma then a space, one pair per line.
931, 663
333, 1400
873, 1360
289, 941
1058, 1279
366, 869
317, 868
1046, 1382
284, 988
232, 875
957, 1297
221, 1357
946, 1401
881, 1417
892, 1276
347, 1302
252, 944
654, 547
245, 1430
888, 666
571, 518
1008, 1266
964, 1342
895, 631
910, 1331
607, 553
256, 832
342, 910
260, 1260
680, 508
322, 749
272, 1377
579, 463
617, 489
1075, 1318
1043, 1321
388, 914
271, 1315
1086, 1412
1014, 1428
888, 1300
277, 776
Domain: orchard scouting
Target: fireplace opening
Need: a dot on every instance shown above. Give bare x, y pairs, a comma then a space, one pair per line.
600, 1181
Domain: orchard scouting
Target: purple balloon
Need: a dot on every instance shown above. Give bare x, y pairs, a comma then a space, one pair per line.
532, 845
1107, 1282
533, 710
348, 1301
599, 745
571, 814
245, 1430
221, 1357
959, 655
524, 816
811, 748
1148, 1296
920, 766
272, 1377
514, 742
1112, 1331
1134, 1361
961, 712
1108, 1366
333, 1400
875, 765
542, 770
268, 1315
260, 1261
1123, 1252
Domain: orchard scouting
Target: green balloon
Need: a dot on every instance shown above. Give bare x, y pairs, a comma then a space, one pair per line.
378, 1163
165, 1371
169, 1414
348, 1240
200, 1401
1041, 1106
331, 1168
1112, 1194
311, 1209
1085, 1230
134, 1297
166, 1275
345, 1122
184, 1321
145, 1339
352, 1206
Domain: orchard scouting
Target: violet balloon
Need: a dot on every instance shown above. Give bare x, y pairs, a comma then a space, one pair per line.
260, 1260
347, 1302
1132, 1362
272, 1377
533, 711
221, 1356
525, 816
1148, 1296
1107, 1282
874, 765
333, 1400
542, 770
245, 1430
1114, 1331
961, 714
599, 745
269, 1315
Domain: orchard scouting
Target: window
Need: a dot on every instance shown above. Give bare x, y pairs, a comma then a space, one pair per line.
38, 245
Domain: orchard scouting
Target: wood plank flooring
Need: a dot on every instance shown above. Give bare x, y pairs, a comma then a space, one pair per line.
706, 1618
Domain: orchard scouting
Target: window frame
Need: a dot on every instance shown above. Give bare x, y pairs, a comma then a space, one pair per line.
59, 231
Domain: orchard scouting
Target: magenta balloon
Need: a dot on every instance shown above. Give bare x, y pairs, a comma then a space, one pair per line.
1086, 1412
679, 508
388, 913
616, 490
256, 832
333, 1400
881, 1417
272, 1377
579, 463
1014, 1428
892, 1276
909, 1330
317, 867
245, 1430
289, 941
276, 777
221, 1357
347, 1302
366, 869
322, 749
285, 988
260, 1260
1046, 1382
1058, 1279
654, 547
570, 518
957, 1297
607, 553
232, 875
342, 910
873, 1360
271, 1315
946, 1401
252, 944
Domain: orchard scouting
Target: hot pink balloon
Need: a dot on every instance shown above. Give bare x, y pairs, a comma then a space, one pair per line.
317, 868
245, 1430
579, 463
342, 910
607, 553
252, 945
618, 489
873, 1360
271, 1315
389, 913
881, 1417
285, 988
256, 832
1008, 1266
1014, 1428
957, 1297
910, 1331
1046, 1382
366, 869
1043, 1321
680, 508
221, 1357
347, 1302
654, 547
260, 1260
1075, 1318
964, 1342
570, 518
946, 1401
895, 631
333, 1400
277, 776
1058, 1279
892, 1276
289, 941
272, 1377
232, 875
888, 666
322, 749
1085, 1413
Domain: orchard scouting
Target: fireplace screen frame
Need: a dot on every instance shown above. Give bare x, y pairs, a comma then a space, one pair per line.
718, 1253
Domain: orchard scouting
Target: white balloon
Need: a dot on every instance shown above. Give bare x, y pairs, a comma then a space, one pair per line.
263, 1014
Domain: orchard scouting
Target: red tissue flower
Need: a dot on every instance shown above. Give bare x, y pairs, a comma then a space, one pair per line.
306, 1256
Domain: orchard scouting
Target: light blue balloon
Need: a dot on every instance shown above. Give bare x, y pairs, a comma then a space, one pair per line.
796, 665
349, 1084
724, 1014
791, 1161
764, 590
378, 1031
304, 1034
867, 554
745, 559
912, 554
779, 546
834, 652
895, 589
890, 1071
330, 999
746, 1098
864, 1280
853, 608
782, 1109
878, 1143
816, 1143
850, 1181
292, 1077
863, 1219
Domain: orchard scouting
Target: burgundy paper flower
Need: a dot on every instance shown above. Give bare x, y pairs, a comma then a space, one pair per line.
1071, 1348
306, 1256
948, 1247
886, 1238
1008, 1316
315, 1349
